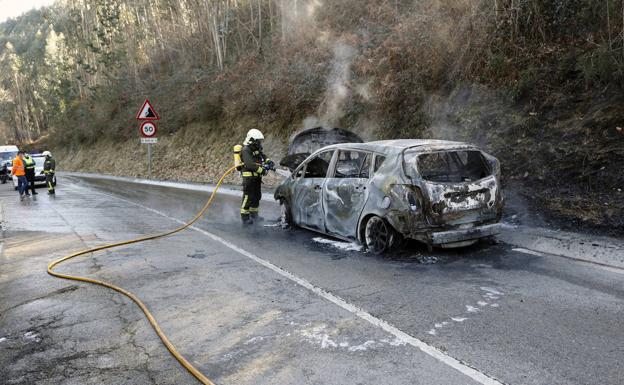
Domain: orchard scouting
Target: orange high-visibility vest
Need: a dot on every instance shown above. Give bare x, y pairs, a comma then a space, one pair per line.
18, 167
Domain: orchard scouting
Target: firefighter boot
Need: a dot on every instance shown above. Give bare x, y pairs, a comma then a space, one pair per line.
246, 219
256, 218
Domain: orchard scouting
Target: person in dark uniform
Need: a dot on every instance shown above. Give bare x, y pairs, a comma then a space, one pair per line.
255, 166
48, 169
29, 165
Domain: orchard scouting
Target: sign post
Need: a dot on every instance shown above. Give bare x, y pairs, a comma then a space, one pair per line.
148, 114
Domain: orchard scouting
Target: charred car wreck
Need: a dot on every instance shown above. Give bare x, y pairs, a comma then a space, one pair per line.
445, 194
306, 142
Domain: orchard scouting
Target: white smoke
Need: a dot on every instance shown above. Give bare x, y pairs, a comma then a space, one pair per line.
311, 122
338, 85
298, 17
299, 24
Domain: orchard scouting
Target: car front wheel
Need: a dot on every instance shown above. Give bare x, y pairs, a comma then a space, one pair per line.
379, 236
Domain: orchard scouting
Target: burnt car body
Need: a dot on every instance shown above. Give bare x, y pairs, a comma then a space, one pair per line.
438, 192
306, 142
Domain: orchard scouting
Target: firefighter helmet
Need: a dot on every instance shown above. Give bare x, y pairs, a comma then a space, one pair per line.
253, 135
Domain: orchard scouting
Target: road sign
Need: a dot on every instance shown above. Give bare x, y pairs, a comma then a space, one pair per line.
148, 129
147, 112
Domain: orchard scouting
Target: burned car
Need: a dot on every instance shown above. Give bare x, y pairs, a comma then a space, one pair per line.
445, 194
307, 141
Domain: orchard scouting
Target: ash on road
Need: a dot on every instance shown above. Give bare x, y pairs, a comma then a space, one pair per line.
512, 316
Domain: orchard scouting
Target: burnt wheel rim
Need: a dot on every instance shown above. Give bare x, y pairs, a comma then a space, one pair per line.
377, 235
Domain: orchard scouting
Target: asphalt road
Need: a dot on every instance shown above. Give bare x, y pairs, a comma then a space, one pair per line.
267, 305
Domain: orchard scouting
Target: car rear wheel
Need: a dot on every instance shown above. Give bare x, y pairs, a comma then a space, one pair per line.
379, 236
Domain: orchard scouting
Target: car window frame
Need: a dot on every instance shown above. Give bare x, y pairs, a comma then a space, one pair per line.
335, 162
419, 153
374, 162
304, 165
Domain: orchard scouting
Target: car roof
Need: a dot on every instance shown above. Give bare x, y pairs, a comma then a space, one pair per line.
8, 148
398, 145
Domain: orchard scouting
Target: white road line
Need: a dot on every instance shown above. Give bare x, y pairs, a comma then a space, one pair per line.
432, 351
530, 252
592, 264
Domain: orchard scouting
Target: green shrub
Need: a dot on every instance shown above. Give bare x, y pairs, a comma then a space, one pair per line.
526, 84
600, 66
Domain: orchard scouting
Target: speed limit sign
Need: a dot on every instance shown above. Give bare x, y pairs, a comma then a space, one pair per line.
148, 129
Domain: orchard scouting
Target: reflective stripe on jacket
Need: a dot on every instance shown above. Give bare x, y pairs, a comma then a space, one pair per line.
252, 161
29, 163
18, 167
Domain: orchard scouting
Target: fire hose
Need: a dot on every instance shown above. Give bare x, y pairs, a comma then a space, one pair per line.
196, 373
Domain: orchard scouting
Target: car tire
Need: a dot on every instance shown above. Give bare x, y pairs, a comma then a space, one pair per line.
379, 236
287, 217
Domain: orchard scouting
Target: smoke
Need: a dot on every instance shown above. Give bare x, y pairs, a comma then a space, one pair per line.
301, 27
311, 122
363, 90
298, 18
475, 114
449, 116
338, 85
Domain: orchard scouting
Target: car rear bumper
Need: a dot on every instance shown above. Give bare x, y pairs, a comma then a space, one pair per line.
460, 235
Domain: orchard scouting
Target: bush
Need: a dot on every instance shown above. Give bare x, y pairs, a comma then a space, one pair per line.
600, 66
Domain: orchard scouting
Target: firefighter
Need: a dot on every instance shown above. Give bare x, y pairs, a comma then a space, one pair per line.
48, 169
29, 164
19, 171
255, 166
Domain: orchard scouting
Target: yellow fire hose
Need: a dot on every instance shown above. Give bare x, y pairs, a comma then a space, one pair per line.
196, 373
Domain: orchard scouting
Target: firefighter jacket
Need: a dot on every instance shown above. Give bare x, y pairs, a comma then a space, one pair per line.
49, 165
253, 159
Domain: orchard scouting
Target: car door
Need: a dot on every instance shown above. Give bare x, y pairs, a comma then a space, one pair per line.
346, 192
307, 205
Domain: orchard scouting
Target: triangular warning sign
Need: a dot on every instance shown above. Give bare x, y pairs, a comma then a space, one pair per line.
147, 112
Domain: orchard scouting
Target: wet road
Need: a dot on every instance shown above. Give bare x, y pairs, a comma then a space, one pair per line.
262, 305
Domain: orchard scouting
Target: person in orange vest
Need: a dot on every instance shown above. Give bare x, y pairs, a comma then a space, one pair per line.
19, 170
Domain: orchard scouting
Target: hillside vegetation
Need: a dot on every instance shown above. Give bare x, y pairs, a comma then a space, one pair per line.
536, 82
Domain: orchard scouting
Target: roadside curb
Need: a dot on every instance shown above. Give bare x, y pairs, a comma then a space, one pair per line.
599, 250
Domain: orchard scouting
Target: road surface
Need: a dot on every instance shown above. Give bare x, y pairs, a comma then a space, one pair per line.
267, 305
